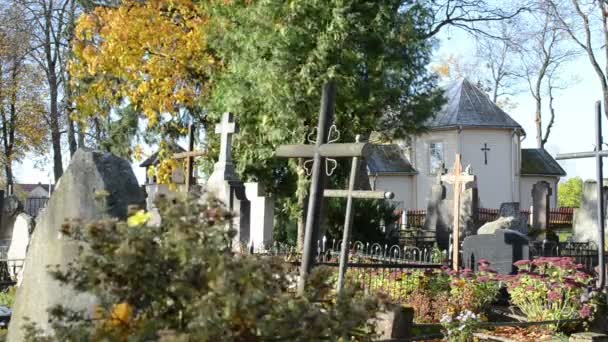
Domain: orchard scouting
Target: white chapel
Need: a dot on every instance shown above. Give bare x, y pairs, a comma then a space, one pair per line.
487, 138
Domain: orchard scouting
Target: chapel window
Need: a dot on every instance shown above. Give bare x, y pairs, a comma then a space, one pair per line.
435, 156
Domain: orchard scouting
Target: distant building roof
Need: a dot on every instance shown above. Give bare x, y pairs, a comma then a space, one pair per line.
468, 106
537, 161
30, 187
153, 159
388, 159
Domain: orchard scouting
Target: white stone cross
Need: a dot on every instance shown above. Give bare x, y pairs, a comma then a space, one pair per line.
458, 179
226, 128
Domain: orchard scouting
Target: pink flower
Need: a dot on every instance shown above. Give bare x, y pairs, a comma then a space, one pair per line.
554, 296
585, 311
522, 263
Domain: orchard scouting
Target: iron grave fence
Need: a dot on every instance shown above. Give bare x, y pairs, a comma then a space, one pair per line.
374, 267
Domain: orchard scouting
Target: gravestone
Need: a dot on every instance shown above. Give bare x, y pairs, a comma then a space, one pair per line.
501, 249
261, 221
469, 209
224, 184
90, 173
520, 220
18, 247
541, 191
585, 218
436, 215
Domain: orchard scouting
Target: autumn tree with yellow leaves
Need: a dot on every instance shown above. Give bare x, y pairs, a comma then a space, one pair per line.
23, 125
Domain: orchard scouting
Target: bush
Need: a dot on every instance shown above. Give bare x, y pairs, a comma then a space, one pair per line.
434, 293
553, 288
182, 281
7, 297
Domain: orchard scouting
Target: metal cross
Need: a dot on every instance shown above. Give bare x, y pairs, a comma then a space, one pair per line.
458, 179
598, 154
348, 218
189, 156
319, 152
485, 150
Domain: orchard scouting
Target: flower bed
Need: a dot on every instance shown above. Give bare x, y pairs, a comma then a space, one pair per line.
547, 289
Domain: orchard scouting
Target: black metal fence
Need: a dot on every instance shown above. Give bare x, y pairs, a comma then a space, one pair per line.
584, 253
374, 267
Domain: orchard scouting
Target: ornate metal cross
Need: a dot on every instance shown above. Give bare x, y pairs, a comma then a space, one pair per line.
485, 150
319, 152
598, 154
350, 194
458, 179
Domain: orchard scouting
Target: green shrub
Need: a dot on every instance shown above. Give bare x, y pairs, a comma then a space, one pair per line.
7, 297
182, 281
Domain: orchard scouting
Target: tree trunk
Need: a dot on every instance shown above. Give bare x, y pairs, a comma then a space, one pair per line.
539, 124
80, 135
55, 132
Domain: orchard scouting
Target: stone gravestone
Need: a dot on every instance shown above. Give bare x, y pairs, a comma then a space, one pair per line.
585, 217
261, 222
436, 215
224, 184
541, 191
501, 249
520, 221
469, 210
18, 247
89, 173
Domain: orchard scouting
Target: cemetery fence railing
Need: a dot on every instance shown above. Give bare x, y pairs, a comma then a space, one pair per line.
374, 267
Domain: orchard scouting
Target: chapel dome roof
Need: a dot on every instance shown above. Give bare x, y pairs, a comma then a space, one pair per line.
468, 106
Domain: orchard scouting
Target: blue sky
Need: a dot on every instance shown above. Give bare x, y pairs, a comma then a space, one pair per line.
573, 130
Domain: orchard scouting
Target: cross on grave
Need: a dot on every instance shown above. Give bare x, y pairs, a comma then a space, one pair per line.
225, 129
598, 154
457, 179
318, 152
485, 150
350, 194
189, 156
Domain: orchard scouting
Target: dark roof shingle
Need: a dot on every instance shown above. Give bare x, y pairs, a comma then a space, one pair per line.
537, 161
468, 106
388, 159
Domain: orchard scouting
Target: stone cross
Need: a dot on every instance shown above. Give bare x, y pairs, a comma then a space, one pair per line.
598, 154
225, 129
459, 180
541, 191
350, 194
485, 150
189, 156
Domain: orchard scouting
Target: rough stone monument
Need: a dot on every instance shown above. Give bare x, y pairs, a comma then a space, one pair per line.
520, 221
585, 218
437, 219
76, 196
541, 191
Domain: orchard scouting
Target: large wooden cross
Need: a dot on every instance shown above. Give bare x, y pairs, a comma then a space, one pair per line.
597, 154
351, 194
458, 179
189, 156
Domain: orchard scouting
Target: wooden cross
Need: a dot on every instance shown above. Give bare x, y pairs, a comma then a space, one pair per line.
485, 150
457, 179
350, 194
189, 156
